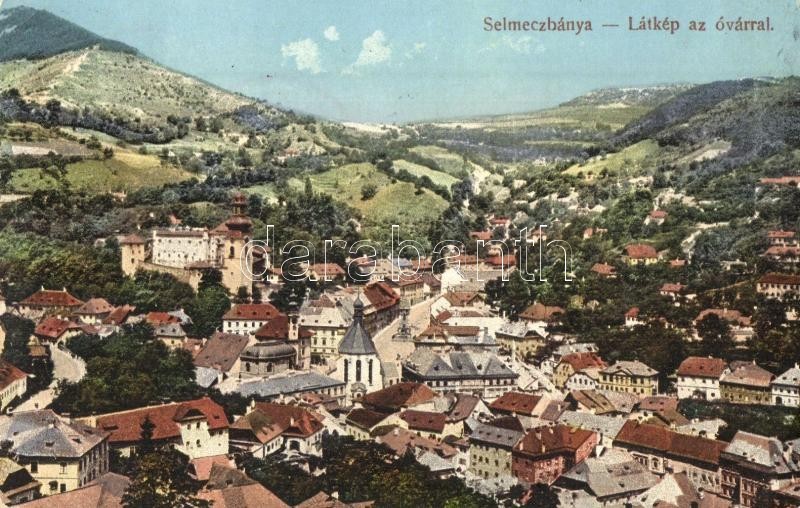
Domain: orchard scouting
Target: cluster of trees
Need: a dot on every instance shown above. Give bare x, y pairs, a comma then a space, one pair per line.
126, 370
15, 351
365, 471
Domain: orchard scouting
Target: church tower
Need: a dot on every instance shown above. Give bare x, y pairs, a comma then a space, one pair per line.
236, 231
358, 365
133, 251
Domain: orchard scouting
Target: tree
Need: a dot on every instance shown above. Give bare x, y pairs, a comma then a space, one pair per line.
516, 297
715, 334
542, 496
162, 481
145, 445
368, 191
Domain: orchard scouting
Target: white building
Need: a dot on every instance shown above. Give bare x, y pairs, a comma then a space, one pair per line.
698, 377
246, 318
786, 388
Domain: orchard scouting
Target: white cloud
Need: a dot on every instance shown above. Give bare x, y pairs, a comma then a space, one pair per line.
374, 50
305, 53
331, 33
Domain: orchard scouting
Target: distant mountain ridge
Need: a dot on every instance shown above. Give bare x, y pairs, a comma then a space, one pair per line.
33, 34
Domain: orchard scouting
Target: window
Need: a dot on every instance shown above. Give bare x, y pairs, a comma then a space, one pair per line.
62, 468
34, 467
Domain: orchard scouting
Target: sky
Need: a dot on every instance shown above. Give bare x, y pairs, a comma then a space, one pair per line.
396, 61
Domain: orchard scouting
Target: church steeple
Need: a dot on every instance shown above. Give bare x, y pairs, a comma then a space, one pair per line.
357, 341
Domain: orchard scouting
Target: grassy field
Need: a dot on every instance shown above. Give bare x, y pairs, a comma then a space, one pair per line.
629, 159
125, 172
450, 162
437, 177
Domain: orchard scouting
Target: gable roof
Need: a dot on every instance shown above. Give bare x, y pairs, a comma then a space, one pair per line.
221, 351
364, 418
293, 420
662, 439
399, 396
516, 402
748, 374
630, 368
698, 366
119, 315
552, 439
52, 327
780, 278
126, 426
51, 298
251, 312
424, 420
583, 360
640, 251
9, 373
540, 312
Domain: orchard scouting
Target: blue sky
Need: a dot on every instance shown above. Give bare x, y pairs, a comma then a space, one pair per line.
397, 61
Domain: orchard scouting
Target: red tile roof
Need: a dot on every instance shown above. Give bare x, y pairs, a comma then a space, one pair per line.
633, 312
780, 234
658, 214
580, 361
641, 251
252, 311
95, 306
119, 315
398, 396
52, 327
730, 315
698, 366
672, 287
365, 418
330, 270
501, 261
294, 420
539, 312
480, 235
462, 298
381, 296
780, 278
9, 374
603, 269
126, 426
51, 298
161, 318
516, 402
661, 439
424, 420
555, 439
133, 239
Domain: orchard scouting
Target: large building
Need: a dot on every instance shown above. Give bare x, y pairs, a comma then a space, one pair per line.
186, 252
698, 377
747, 383
490, 451
544, 453
479, 373
196, 428
630, 377
358, 364
778, 285
59, 454
786, 388
246, 318
13, 384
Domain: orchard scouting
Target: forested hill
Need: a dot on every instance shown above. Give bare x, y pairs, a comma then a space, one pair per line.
34, 33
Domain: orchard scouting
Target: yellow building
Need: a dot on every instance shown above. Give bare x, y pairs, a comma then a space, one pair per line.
575, 362
490, 451
59, 454
629, 377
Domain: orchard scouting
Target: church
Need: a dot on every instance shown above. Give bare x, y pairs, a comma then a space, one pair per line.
358, 364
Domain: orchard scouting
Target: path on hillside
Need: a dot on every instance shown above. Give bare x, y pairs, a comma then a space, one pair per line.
65, 366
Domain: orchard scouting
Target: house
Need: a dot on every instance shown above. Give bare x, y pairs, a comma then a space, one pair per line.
592, 232
222, 352
48, 302
362, 423
746, 383
586, 379
286, 384
519, 404
544, 453
171, 334
786, 388
16, 483
432, 425
400, 396
327, 319
782, 238
410, 288
614, 478
196, 428
55, 330
490, 450
119, 316
640, 254
656, 217
751, 463
662, 451
632, 317
698, 377
246, 318
269, 427
60, 454
778, 285
538, 313
604, 270
13, 384
479, 373
592, 402
326, 272
94, 311
401, 441
449, 299
672, 290
227, 487
631, 377
575, 362
741, 326
106, 491
784, 254
606, 427
522, 339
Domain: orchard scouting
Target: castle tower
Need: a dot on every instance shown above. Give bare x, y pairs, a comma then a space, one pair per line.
237, 231
358, 364
134, 252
